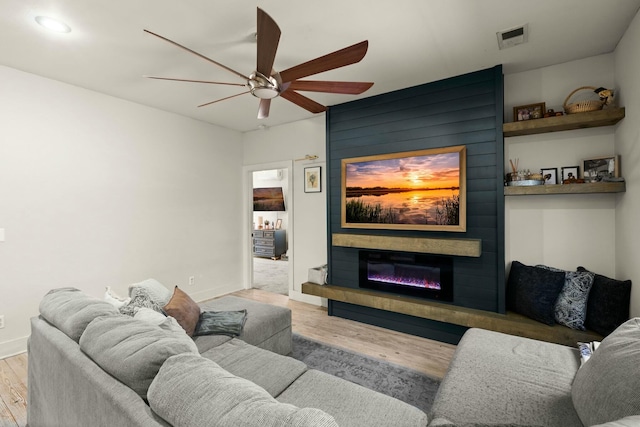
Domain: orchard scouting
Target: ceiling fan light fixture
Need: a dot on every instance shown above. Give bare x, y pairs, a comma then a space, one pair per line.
53, 24
263, 87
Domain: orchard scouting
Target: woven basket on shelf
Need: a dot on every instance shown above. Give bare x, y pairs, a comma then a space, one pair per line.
582, 106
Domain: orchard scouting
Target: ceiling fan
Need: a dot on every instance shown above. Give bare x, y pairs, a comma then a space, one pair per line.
265, 83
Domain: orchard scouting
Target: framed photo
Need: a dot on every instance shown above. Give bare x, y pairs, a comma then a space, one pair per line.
552, 174
278, 223
570, 173
529, 112
312, 182
597, 169
413, 190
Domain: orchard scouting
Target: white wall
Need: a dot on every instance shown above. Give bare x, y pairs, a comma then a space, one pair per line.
98, 191
563, 231
288, 143
627, 64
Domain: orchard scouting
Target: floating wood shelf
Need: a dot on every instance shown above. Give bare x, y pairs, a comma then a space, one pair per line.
598, 118
458, 247
510, 323
587, 188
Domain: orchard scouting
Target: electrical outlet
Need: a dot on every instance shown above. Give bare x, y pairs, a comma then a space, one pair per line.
192, 280
2, 321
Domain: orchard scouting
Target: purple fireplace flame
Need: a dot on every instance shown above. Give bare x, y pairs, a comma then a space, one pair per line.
426, 276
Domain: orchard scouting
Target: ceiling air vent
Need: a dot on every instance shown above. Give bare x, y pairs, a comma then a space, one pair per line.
513, 36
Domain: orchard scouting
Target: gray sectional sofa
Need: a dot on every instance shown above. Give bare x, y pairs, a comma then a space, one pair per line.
90, 365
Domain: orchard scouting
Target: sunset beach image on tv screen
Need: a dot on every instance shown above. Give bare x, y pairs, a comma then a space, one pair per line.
415, 190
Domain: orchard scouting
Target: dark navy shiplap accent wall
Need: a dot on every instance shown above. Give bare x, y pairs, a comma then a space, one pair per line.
464, 110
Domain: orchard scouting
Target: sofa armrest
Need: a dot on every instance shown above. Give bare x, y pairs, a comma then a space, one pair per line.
66, 388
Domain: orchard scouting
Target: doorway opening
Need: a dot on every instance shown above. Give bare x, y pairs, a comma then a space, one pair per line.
269, 248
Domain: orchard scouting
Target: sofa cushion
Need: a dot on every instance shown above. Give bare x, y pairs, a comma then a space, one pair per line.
191, 391
133, 351
156, 291
71, 310
607, 386
496, 378
533, 291
248, 362
184, 309
608, 305
351, 404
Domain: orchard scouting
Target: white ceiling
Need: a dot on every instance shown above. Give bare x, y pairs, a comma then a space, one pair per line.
411, 42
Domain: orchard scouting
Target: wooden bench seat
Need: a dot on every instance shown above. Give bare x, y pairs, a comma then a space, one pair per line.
510, 323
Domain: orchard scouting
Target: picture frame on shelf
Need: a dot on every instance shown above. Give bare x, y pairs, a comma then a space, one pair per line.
570, 173
553, 175
312, 179
529, 112
278, 223
596, 169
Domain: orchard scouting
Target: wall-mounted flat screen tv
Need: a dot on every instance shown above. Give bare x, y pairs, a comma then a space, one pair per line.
268, 199
415, 190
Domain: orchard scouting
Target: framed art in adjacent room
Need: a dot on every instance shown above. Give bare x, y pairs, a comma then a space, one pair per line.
278, 223
312, 182
570, 173
601, 167
550, 175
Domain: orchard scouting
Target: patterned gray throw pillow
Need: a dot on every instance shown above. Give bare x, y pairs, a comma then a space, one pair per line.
571, 307
140, 297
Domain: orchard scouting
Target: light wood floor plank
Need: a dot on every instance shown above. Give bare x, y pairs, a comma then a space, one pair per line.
427, 356
6, 419
14, 394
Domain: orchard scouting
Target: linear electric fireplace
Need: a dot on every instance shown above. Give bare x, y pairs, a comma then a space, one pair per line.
420, 275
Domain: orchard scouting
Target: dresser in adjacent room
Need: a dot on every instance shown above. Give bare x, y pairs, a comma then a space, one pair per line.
269, 243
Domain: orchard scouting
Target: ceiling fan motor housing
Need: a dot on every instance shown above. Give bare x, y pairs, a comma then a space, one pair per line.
263, 87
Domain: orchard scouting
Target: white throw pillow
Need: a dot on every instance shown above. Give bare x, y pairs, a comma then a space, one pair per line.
149, 315
113, 299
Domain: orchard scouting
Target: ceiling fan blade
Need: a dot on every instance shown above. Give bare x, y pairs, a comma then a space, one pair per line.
302, 101
268, 37
352, 88
199, 55
222, 99
263, 108
194, 81
340, 58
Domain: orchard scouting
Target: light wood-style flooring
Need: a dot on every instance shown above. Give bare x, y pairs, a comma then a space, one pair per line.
420, 354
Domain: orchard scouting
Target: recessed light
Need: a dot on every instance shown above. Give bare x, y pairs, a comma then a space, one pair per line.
53, 24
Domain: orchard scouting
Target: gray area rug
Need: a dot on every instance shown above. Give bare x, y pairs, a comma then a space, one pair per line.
412, 387
270, 275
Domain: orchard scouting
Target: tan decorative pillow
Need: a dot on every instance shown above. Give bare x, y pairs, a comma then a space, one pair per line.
185, 310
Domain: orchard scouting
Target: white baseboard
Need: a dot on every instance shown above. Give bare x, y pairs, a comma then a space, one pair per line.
208, 294
13, 347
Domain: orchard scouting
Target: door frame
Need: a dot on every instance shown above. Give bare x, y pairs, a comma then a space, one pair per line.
247, 173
